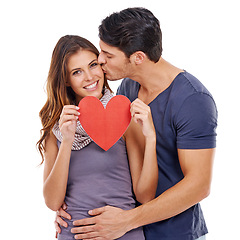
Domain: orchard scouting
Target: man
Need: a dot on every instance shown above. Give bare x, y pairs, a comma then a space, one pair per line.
185, 118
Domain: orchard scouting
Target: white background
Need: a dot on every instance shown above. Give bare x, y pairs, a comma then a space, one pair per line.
200, 36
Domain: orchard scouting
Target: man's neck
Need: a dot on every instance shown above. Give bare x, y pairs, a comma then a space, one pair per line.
154, 78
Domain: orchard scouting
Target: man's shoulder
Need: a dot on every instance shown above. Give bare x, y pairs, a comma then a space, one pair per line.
128, 88
126, 82
186, 93
185, 86
190, 84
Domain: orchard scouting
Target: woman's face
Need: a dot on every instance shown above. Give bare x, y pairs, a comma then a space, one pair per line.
85, 77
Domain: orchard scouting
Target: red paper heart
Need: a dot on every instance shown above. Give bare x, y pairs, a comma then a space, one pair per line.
105, 125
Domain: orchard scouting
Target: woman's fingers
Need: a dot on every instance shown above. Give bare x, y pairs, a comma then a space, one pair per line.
69, 113
70, 110
67, 118
68, 121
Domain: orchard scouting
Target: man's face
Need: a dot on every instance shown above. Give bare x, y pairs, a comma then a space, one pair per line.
114, 62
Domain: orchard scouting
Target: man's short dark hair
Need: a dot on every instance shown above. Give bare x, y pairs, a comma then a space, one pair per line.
131, 30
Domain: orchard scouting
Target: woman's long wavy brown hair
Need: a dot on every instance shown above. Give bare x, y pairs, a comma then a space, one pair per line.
58, 93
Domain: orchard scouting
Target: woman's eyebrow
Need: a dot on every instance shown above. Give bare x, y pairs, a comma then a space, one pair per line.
92, 61
74, 69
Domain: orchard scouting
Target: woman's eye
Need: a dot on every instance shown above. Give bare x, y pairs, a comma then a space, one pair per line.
94, 64
76, 72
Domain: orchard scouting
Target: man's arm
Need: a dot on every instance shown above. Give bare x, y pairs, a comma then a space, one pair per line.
195, 186
111, 223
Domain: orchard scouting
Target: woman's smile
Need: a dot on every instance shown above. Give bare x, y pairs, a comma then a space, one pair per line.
92, 86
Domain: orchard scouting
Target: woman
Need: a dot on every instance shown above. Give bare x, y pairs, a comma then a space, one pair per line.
77, 170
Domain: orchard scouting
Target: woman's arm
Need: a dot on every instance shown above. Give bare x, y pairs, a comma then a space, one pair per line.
55, 172
141, 148
57, 161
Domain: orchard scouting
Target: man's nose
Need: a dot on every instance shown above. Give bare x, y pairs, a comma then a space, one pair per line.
101, 59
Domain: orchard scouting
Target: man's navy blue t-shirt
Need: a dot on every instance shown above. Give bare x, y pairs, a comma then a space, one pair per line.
185, 117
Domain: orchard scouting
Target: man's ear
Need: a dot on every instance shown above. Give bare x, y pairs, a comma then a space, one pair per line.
138, 57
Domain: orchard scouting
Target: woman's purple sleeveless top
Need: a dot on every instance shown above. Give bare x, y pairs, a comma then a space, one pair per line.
98, 178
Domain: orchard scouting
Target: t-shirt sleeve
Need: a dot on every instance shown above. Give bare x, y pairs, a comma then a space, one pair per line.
123, 87
128, 88
120, 90
196, 123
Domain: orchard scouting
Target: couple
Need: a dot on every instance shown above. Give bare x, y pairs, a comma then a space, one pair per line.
183, 137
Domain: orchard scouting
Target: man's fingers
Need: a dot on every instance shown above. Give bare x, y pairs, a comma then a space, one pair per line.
84, 229
60, 221
57, 228
140, 110
85, 221
64, 206
97, 211
63, 214
88, 236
